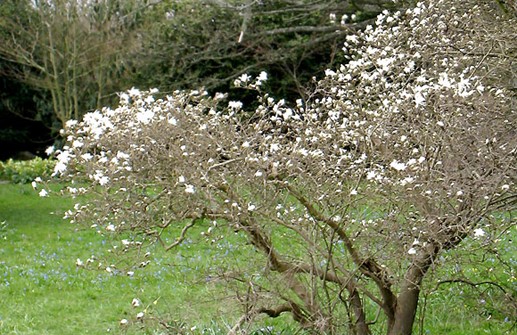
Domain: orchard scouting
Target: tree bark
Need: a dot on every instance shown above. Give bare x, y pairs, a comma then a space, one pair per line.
407, 300
360, 326
404, 318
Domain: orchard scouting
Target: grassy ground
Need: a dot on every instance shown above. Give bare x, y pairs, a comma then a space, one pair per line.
43, 291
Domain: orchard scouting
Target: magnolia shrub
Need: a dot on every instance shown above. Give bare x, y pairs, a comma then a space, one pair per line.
352, 197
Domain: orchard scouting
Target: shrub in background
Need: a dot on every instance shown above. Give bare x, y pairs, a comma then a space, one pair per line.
22, 172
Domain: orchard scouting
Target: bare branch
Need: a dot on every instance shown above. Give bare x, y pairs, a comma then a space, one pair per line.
183, 234
468, 282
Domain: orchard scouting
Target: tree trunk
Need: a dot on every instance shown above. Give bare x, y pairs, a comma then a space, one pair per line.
407, 300
405, 312
360, 326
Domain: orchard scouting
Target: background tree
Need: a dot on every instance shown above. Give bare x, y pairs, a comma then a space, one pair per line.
401, 164
75, 55
74, 51
21, 128
210, 43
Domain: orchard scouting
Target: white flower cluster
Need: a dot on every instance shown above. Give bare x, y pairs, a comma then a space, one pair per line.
245, 80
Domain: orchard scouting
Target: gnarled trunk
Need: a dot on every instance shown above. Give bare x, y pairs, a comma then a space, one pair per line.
405, 311
401, 323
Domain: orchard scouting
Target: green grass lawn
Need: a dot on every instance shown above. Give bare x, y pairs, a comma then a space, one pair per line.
43, 291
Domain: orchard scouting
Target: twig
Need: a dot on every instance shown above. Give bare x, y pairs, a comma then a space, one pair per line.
183, 234
225, 163
464, 281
